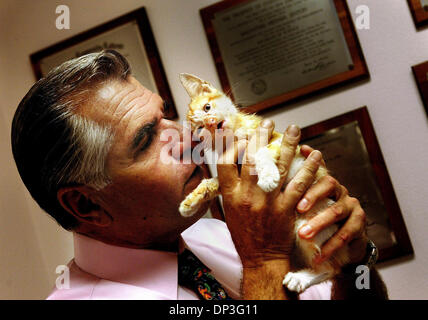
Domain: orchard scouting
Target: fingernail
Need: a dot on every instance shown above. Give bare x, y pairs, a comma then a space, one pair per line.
305, 231
316, 155
293, 131
303, 204
266, 123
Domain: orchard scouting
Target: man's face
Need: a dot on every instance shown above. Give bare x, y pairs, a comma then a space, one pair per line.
145, 192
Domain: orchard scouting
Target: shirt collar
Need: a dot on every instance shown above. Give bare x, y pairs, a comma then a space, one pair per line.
150, 269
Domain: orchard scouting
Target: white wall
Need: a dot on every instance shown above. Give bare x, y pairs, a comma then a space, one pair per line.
31, 245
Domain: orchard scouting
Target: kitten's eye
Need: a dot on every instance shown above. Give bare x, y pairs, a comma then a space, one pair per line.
207, 107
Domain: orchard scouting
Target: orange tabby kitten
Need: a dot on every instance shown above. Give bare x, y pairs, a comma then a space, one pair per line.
210, 109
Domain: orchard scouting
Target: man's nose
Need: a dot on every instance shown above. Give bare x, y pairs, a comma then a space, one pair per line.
186, 145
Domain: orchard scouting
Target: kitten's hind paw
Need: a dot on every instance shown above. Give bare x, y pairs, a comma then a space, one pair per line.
296, 281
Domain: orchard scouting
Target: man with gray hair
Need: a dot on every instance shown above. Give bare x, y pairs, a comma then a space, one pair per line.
86, 141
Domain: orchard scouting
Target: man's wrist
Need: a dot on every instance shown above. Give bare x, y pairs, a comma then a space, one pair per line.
345, 287
346, 284
369, 259
267, 264
263, 280
263, 260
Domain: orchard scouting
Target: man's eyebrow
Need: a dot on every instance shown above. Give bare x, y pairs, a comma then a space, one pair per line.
142, 132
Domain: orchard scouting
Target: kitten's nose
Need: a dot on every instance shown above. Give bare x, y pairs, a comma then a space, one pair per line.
210, 122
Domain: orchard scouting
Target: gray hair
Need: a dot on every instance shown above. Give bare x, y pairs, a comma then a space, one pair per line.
55, 146
90, 144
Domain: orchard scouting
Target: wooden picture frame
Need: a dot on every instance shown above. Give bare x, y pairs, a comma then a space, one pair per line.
129, 34
420, 72
366, 176
353, 65
419, 10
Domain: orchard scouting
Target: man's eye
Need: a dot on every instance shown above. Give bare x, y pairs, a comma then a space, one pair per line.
145, 143
147, 135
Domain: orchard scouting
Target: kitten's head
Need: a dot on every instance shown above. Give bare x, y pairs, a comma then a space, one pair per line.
209, 108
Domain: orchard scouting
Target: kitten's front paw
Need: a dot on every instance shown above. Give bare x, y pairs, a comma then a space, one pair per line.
266, 169
268, 179
296, 281
187, 210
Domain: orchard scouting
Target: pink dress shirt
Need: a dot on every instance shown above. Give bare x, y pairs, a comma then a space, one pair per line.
103, 271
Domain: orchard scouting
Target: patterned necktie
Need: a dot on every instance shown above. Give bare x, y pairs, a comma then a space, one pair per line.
192, 273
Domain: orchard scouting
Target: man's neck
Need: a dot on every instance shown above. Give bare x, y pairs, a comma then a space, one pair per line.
173, 246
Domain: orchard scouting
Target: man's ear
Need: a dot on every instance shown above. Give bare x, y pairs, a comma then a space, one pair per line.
195, 86
77, 201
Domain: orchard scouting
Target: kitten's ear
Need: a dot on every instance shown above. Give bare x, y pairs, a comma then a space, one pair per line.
194, 85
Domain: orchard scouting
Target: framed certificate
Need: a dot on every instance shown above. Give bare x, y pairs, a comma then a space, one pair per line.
131, 35
270, 52
419, 9
353, 156
420, 72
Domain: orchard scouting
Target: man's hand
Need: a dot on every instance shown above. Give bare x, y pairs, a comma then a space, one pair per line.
346, 210
261, 224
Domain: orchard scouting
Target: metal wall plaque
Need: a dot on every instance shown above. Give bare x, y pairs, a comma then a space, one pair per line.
270, 52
